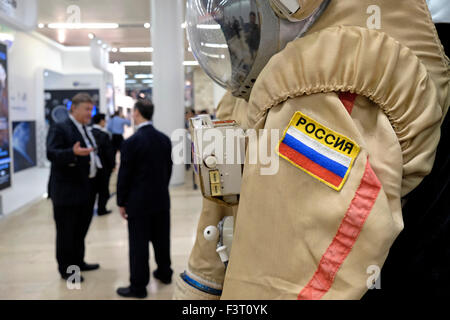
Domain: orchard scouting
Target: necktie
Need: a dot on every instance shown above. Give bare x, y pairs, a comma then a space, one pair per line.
87, 136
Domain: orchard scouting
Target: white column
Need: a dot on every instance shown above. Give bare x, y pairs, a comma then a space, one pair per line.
168, 70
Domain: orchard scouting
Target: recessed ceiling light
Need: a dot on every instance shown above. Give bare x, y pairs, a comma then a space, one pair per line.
91, 35
61, 36
143, 76
114, 50
83, 25
41, 25
190, 63
136, 63
214, 45
136, 49
147, 25
209, 26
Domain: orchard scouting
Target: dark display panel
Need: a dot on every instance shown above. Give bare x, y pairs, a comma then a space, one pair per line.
58, 103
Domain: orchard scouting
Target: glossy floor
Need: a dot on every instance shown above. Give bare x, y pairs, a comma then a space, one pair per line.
28, 267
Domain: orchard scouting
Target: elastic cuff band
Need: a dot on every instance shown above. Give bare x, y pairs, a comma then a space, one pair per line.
197, 285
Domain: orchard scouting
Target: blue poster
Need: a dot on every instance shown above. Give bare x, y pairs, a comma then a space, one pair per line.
5, 158
24, 145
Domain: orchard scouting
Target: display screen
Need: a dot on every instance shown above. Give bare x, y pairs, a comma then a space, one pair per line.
58, 103
5, 158
24, 145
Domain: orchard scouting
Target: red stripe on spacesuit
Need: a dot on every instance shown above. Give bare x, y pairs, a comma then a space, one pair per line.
348, 100
348, 232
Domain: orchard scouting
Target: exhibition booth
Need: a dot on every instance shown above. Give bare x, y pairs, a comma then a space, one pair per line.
38, 77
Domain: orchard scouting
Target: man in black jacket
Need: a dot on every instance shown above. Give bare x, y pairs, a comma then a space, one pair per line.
143, 199
71, 151
106, 153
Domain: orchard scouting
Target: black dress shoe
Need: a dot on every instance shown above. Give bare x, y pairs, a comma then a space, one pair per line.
128, 292
89, 267
102, 213
165, 280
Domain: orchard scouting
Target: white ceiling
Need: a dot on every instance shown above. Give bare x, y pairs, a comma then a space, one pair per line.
129, 14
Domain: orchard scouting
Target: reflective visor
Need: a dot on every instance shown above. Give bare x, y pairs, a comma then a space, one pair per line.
224, 36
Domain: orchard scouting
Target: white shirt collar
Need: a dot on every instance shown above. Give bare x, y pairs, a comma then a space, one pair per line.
96, 126
143, 124
79, 125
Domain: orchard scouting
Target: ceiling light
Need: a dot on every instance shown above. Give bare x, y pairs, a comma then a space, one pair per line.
91, 35
41, 25
214, 45
104, 46
130, 63
130, 81
147, 81
143, 76
136, 49
114, 49
61, 36
209, 26
99, 41
83, 25
147, 25
150, 63
214, 56
190, 63
136, 63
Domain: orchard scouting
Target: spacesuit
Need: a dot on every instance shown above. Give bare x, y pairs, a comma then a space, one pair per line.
357, 92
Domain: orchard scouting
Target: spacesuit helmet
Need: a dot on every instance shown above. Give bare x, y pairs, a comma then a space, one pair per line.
234, 39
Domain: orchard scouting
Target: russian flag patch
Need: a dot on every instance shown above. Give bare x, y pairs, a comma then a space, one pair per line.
317, 150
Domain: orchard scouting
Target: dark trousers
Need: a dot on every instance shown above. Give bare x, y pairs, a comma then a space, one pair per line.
142, 230
117, 140
72, 225
102, 189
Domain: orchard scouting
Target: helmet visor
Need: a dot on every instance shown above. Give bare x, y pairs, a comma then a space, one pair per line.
224, 36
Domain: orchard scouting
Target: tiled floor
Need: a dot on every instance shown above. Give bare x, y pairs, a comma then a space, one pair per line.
28, 267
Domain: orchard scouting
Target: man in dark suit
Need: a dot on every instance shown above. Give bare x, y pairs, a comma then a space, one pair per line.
106, 153
71, 151
143, 199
